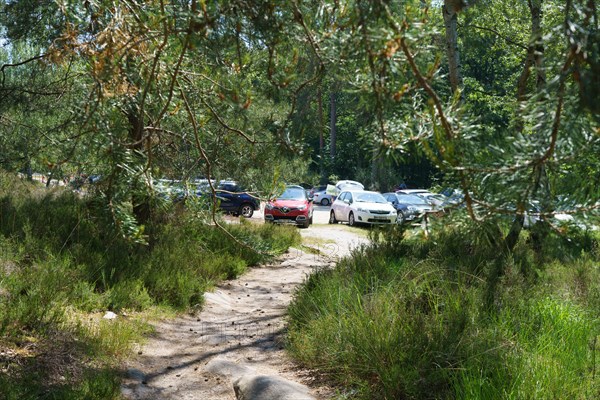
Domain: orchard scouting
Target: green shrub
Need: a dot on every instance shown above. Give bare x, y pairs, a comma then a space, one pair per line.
129, 294
96, 384
62, 256
186, 255
407, 318
34, 297
84, 296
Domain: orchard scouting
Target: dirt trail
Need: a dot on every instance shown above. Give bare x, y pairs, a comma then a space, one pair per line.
242, 323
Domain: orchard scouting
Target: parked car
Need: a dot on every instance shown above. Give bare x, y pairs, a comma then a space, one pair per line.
533, 215
455, 198
291, 206
322, 197
232, 198
317, 189
360, 206
348, 185
436, 200
413, 191
410, 207
345, 185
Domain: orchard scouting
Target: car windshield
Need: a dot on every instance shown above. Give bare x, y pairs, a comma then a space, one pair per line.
292, 194
411, 199
369, 197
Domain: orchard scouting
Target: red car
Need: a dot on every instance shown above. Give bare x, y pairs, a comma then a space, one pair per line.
292, 206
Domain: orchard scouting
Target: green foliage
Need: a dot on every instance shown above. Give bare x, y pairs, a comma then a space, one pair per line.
34, 297
61, 256
106, 270
100, 384
407, 318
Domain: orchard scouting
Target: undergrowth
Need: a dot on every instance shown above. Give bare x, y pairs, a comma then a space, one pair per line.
418, 318
62, 261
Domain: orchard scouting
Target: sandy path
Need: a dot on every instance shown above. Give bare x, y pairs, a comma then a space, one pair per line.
242, 322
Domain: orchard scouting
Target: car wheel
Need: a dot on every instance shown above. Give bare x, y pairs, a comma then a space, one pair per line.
305, 224
325, 202
246, 210
332, 219
401, 217
351, 220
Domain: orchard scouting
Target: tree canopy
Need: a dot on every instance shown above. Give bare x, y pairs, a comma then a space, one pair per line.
497, 99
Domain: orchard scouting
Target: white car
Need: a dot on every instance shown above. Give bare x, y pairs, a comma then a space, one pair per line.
348, 185
322, 197
362, 207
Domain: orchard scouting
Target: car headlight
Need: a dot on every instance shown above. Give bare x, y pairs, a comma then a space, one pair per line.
359, 209
269, 206
302, 208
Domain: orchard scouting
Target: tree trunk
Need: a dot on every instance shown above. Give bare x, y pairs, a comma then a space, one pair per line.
542, 183
535, 56
321, 130
513, 235
332, 125
449, 12
140, 202
375, 168
49, 179
535, 6
29, 170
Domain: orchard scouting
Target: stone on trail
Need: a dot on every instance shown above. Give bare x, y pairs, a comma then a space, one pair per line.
230, 369
262, 387
110, 315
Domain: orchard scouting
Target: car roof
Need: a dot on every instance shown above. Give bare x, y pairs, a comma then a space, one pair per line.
412, 191
358, 191
348, 183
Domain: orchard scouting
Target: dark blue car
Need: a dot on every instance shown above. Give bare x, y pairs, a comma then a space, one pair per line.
233, 198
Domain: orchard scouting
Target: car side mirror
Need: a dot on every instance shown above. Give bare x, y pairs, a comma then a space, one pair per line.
347, 201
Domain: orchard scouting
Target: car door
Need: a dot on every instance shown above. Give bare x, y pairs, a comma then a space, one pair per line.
345, 206
227, 194
338, 207
391, 197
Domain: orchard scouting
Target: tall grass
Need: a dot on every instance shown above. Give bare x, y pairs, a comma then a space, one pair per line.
62, 258
412, 319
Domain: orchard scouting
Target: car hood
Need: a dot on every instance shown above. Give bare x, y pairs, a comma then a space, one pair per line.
421, 206
373, 206
417, 207
288, 203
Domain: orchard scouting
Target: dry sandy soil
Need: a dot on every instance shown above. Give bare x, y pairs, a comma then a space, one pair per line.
241, 324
